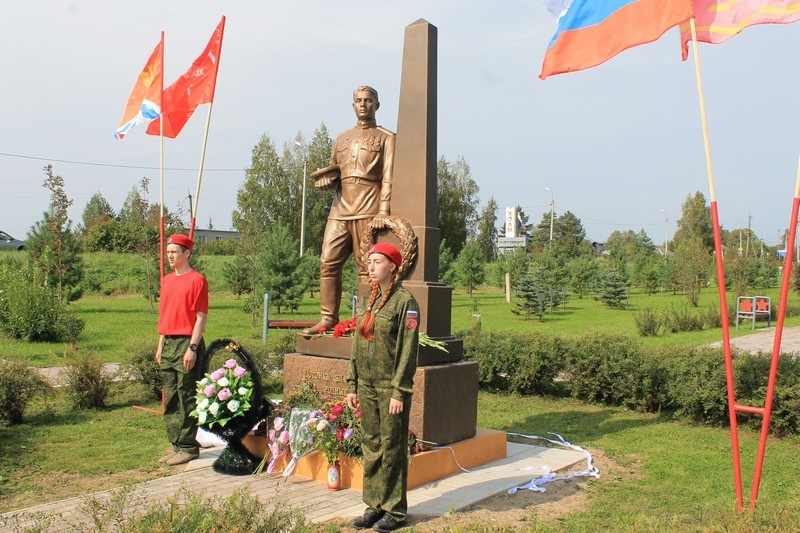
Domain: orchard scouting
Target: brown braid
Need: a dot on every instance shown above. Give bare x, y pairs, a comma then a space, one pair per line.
367, 328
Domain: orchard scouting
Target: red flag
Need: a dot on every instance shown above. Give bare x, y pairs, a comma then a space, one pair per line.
719, 20
591, 32
195, 87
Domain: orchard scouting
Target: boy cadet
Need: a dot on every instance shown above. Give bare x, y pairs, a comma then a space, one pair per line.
183, 311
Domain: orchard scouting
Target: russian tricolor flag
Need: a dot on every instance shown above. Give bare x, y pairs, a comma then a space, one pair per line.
591, 32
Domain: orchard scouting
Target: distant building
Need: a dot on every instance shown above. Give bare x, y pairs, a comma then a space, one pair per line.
660, 250
210, 235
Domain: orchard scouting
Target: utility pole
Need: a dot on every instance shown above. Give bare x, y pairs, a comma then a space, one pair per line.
303, 209
552, 211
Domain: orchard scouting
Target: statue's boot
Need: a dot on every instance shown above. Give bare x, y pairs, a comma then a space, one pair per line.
330, 297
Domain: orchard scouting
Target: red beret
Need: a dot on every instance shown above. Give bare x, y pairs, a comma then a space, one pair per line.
181, 240
388, 250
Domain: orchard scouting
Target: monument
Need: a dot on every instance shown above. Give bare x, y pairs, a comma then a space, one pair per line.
444, 405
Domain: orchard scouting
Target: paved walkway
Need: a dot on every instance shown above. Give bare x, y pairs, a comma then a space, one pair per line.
522, 464
763, 340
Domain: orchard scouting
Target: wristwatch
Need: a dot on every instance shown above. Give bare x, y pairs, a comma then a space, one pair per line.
193, 347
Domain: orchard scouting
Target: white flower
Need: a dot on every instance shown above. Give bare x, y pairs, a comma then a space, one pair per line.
204, 381
242, 391
233, 406
322, 424
223, 382
201, 419
203, 405
213, 409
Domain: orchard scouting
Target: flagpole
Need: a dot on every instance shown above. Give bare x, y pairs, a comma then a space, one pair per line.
200, 173
161, 174
208, 125
776, 345
723, 303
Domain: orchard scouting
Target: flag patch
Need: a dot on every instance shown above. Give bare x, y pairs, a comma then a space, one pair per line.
412, 319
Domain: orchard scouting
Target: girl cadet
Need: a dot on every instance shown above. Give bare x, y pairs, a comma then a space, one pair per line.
380, 380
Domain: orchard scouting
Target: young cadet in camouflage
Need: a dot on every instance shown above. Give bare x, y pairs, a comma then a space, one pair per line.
380, 381
183, 311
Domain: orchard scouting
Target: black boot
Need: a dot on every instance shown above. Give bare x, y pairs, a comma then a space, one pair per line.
368, 520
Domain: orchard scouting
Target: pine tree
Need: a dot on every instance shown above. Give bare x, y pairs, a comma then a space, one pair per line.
533, 293
614, 287
279, 262
469, 267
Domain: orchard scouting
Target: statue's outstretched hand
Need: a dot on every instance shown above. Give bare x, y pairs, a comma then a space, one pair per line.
325, 183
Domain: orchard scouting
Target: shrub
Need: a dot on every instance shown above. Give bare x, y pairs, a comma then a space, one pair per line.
681, 319
616, 371
513, 361
33, 313
698, 386
142, 366
18, 384
87, 383
648, 322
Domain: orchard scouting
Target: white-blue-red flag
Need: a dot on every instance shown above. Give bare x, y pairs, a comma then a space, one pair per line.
144, 103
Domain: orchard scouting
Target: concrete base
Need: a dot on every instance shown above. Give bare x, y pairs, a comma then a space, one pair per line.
444, 405
485, 447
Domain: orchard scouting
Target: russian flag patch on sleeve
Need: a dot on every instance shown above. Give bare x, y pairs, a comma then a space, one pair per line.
412, 319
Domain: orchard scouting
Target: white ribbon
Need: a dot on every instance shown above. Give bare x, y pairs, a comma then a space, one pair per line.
536, 483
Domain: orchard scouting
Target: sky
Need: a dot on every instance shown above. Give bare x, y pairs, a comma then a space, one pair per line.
620, 145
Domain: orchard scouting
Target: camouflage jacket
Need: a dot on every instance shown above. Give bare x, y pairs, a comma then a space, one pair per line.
390, 360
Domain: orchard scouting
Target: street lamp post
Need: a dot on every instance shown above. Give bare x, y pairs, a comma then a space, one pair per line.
303, 209
666, 233
552, 211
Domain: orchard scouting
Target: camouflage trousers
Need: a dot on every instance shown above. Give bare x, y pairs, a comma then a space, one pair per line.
385, 448
180, 389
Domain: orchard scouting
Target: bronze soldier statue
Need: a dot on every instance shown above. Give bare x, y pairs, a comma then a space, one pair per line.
361, 173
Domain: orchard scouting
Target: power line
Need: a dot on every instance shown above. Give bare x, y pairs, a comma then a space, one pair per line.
109, 165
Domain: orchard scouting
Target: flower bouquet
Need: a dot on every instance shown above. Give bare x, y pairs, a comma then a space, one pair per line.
223, 394
336, 429
229, 403
345, 328
277, 445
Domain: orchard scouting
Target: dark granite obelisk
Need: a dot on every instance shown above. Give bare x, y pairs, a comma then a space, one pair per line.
414, 191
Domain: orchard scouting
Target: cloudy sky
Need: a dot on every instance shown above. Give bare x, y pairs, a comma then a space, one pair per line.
615, 144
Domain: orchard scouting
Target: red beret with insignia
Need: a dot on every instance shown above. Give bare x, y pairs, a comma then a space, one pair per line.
388, 250
181, 240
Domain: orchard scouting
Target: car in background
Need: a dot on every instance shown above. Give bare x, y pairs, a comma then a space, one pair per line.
7, 242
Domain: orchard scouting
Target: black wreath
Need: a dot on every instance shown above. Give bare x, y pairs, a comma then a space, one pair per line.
405, 234
260, 407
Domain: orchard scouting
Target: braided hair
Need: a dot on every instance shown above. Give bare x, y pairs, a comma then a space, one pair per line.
367, 328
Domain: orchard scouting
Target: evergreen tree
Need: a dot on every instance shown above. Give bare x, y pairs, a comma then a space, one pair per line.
532, 298
278, 264
614, 287
469, 267
447, 272
237, 275
515, 263
582, 271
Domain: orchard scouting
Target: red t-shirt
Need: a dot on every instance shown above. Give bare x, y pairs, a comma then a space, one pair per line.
182, 297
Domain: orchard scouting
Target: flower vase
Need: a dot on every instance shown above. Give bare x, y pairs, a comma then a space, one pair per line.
334, 476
